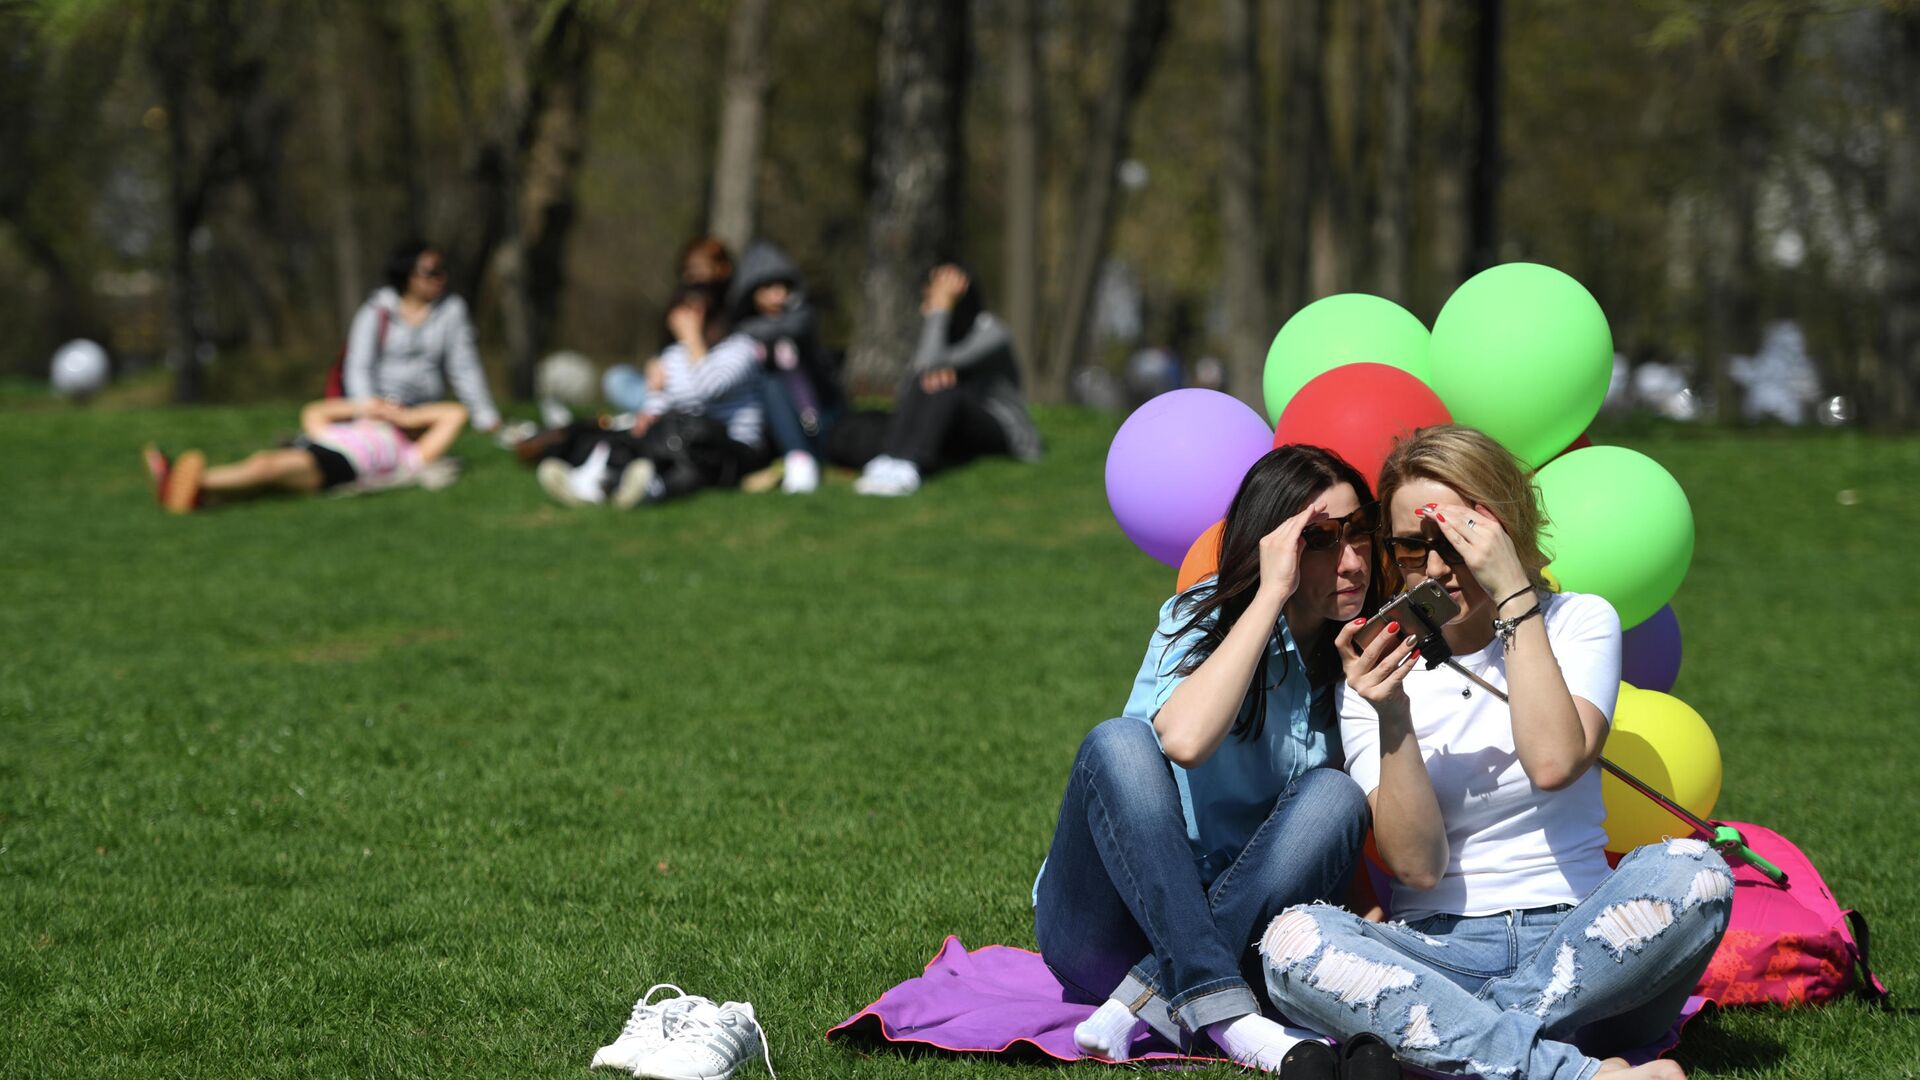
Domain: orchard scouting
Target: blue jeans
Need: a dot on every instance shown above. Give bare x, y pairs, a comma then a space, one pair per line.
1121, 912
1509, 995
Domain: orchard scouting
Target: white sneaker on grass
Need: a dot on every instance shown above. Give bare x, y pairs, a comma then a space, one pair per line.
637, 482
888, 476
647, 1030
802, 476
709, 1042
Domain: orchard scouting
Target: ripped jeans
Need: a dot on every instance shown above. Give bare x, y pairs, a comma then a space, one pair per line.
1509, 995
1120, 911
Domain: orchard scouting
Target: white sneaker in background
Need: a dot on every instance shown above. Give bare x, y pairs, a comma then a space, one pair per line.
554, 414
647, 1030
636, 483
512, 435
888, 476
556, 478
709, 1042
802, 475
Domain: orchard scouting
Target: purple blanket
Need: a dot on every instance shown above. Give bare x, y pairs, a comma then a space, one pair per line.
1002, 1000
994, 1000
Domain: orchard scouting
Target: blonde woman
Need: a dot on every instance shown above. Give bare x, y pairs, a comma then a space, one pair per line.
1519, 952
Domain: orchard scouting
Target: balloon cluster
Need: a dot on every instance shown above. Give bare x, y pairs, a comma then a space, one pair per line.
1520, 351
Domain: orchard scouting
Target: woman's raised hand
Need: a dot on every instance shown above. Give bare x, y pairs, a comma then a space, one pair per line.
1483, 545
1376, 672
1280, 552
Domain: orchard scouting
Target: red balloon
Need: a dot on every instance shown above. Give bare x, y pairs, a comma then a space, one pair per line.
1582, 443
1357, 411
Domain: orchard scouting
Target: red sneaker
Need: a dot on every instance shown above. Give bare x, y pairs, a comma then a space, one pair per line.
157, 467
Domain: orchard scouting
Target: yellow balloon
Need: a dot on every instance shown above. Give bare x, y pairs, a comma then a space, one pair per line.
1662, 741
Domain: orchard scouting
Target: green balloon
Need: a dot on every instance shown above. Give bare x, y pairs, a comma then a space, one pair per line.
1522, 352
1618, 526
1348, 328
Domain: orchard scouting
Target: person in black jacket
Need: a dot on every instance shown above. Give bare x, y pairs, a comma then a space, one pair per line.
799, 386
961, 397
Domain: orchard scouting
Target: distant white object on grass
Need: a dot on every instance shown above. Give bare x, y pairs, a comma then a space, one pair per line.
1781, 382
566, 377
79, 369
1662, 389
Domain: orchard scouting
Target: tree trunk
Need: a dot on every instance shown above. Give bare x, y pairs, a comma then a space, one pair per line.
350, 265
1393, 213
531, 260
1140, 34
1895, 399
913, 211
743, 109
1243, 242
1302, 148
1021, 284
1483, 184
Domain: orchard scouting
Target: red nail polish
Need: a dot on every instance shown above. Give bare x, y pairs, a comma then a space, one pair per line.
1360, 621
1393, 628
1442, 517
1433, 504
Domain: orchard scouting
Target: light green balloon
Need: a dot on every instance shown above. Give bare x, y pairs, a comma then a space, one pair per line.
1347, 328
1619, 526
1522, 352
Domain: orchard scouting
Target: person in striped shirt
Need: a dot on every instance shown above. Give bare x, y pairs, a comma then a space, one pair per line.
702, 424
345, 444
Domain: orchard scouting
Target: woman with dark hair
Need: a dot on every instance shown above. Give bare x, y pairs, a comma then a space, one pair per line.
1215, 800
412, 338
700, 426
961, 397
1519, 951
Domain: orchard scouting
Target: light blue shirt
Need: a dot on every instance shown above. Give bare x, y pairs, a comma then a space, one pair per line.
1227, 797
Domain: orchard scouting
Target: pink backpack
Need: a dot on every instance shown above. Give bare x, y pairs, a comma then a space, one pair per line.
1788, 944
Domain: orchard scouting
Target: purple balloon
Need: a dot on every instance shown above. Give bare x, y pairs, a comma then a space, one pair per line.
1650, 652
1176, 464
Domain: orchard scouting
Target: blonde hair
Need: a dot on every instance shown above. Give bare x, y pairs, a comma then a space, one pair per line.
1470, 462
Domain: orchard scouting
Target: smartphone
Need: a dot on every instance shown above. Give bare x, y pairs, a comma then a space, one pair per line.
1421, 611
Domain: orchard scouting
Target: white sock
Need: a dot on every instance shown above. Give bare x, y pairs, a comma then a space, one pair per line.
1108, 1033
1257, 1041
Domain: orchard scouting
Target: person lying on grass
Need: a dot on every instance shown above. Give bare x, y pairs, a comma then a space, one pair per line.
1517, 940
344, 445
1214, 801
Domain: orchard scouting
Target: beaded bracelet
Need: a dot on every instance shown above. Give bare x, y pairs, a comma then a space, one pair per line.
1506, 627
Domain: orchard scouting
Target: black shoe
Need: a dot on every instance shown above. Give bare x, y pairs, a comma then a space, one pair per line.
1366, 1057
1310, 1060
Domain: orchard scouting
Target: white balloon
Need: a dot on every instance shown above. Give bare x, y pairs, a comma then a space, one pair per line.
79, 368
566, 377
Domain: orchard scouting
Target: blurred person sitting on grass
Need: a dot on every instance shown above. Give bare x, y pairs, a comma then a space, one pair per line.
799, 385
700, 424
704, 263
412, 338
961, 396
344, 446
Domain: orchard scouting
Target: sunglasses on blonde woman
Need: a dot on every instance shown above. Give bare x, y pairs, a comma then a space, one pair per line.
1411, 551
1356, 528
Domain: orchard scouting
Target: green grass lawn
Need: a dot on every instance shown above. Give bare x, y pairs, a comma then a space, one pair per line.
436, 784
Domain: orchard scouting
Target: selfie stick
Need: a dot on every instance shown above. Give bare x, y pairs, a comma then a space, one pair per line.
1725, 838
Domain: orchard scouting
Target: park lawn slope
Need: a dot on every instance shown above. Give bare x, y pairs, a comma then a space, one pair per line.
438, 783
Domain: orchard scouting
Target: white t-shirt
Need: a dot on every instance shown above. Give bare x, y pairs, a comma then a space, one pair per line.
1511, 845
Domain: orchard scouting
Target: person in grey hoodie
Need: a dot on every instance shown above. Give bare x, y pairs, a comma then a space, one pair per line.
961, 397
799, 388
412, 338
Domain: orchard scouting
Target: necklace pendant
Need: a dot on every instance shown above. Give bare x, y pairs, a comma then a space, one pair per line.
1466, 691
